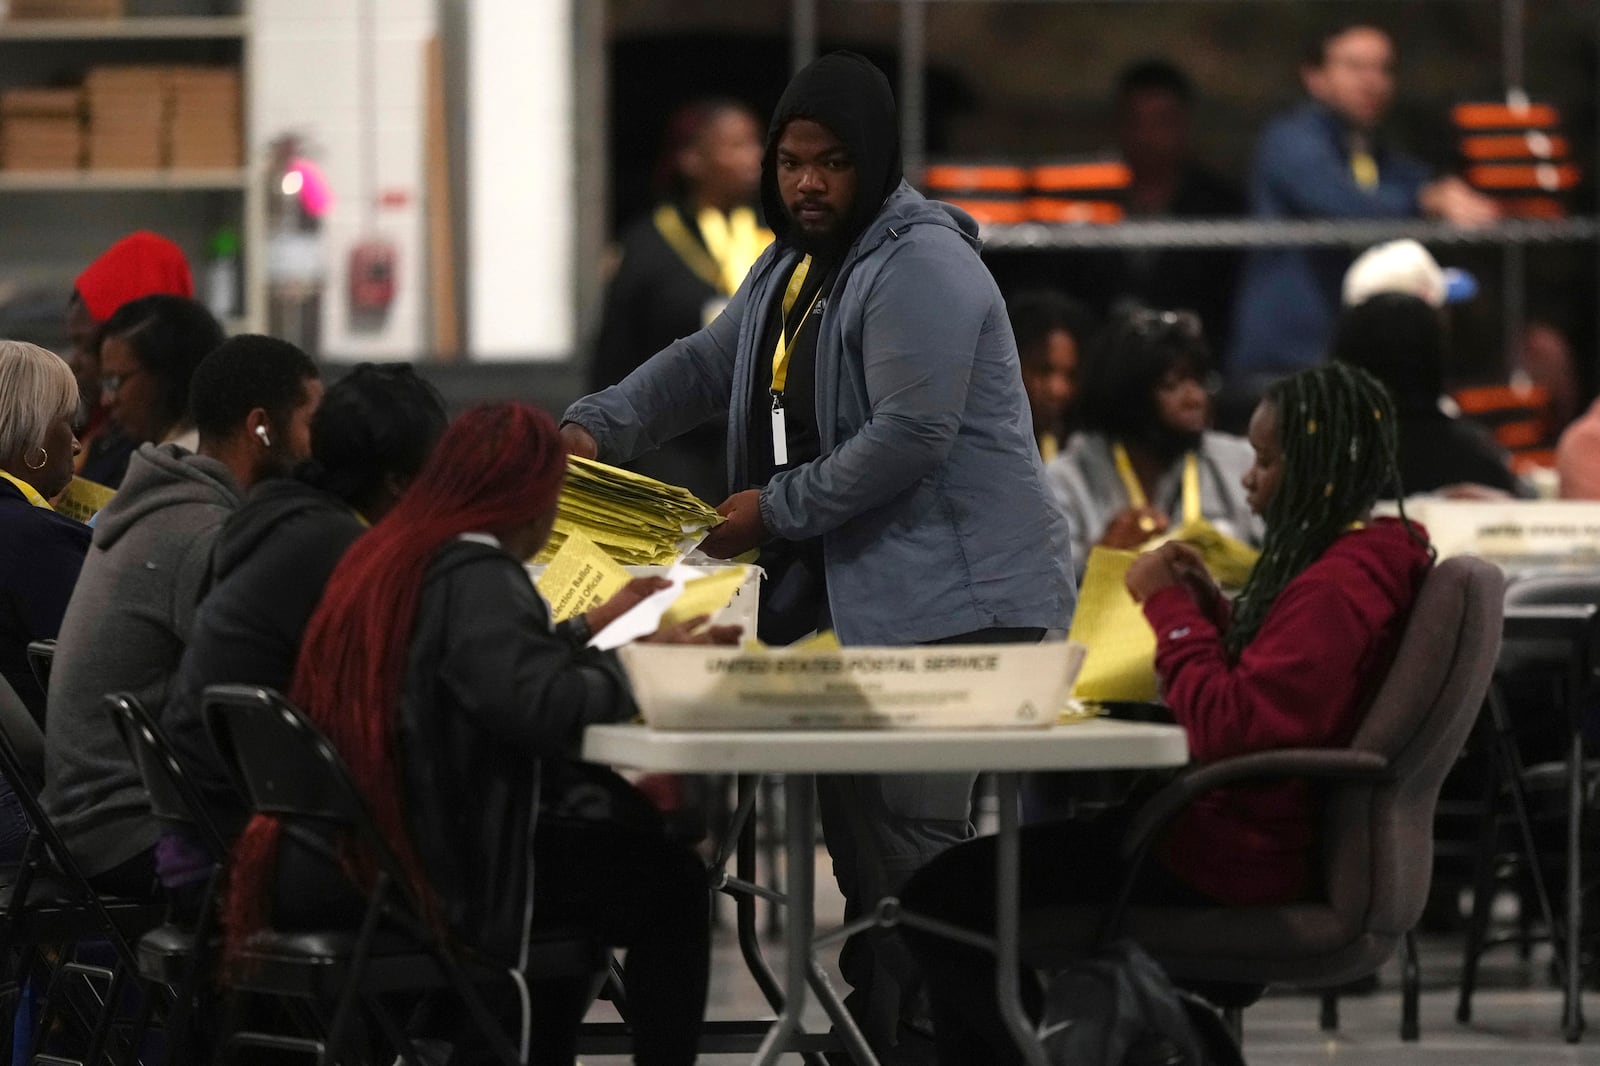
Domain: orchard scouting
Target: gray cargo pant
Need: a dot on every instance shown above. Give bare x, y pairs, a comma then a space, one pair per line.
881, 828
879, 831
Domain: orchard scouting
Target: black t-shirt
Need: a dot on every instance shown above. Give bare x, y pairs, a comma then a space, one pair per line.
800, 386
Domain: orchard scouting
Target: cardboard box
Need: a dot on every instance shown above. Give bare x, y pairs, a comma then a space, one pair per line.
946, 686
66, 9
206, 154
1511, 533
124, 153
37, 102
40, 143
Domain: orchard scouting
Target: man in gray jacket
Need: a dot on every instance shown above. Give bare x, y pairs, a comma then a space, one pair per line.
148, 565
881, 452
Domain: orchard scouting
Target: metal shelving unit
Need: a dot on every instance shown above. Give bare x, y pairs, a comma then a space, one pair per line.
65, 181
1249, 233
149, 28
56, 221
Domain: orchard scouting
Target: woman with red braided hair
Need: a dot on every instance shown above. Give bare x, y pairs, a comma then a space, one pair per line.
432, 665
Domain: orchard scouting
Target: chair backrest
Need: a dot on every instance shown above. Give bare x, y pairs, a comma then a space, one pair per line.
172, 792
41, 656
21, 743
1543, 588
280, 761
22, 763
284, 765
1550, 588
1379, 840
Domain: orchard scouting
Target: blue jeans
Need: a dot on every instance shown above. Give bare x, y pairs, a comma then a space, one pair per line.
13, 825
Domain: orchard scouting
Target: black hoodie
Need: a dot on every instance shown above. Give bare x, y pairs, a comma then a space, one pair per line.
848, 94
273, 559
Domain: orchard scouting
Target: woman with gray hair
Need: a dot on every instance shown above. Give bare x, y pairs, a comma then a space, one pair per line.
40, 550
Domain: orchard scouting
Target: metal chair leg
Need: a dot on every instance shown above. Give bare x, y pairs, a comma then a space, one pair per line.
771, 838
1572, 1012
1483, 875
1410, 988
1328, 1016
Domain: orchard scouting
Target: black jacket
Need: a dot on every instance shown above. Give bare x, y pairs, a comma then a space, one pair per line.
491, 690
273, 558
41, 553
1437, 451
653, 299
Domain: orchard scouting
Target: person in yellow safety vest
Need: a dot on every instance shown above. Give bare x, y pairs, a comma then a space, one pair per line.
678, 266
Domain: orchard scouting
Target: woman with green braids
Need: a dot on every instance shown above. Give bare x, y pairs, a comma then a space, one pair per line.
1293, 662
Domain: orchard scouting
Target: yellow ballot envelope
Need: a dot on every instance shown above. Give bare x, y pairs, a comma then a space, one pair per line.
634, 519
579, 576
82, 499
1122, 646
1227, 559
706, 595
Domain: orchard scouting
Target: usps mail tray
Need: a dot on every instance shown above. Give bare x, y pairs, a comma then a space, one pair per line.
946, 686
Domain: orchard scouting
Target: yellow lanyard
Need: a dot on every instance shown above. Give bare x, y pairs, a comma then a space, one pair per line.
29, 493
732, 243
735, 241
1049, 447
1364, 169
785, 346
1136, 496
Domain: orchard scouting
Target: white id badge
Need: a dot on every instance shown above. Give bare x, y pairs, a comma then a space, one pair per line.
780, 439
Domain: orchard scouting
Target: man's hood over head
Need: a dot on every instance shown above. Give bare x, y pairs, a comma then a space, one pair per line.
160, 477
848, 94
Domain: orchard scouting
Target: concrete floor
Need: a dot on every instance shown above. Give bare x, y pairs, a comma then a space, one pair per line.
1516, 1012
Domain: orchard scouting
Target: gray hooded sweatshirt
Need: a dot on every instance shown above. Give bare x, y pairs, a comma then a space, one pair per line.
124, 631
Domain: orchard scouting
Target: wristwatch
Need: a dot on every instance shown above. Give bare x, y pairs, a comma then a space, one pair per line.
578, 630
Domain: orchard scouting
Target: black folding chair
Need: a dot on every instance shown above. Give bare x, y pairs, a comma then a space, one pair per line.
49, 906
41, 655
180, 953
291, 772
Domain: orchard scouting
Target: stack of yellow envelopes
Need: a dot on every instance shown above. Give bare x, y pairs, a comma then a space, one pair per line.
636, 520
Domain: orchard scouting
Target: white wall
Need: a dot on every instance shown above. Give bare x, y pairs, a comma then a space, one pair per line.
519, 234
307, 72
520, 198
517, 275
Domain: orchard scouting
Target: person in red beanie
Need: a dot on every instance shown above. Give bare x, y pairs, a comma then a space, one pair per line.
140, 264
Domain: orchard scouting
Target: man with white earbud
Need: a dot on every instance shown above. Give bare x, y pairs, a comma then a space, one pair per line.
251, 401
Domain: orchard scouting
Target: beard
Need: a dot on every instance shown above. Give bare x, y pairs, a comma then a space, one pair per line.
819, 244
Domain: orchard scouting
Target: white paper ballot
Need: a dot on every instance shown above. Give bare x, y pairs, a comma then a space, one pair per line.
645, 618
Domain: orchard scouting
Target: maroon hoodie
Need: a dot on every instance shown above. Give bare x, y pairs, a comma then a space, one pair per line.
1304, 681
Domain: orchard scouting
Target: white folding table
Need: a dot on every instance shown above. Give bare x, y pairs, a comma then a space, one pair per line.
1100, 744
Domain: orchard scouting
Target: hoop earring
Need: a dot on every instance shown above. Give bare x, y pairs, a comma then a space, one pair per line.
44, 457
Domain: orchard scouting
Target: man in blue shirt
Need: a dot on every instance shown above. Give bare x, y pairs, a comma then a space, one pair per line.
1328, 159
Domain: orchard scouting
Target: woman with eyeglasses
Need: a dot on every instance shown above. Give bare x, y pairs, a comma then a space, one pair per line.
148, 351
1144, 460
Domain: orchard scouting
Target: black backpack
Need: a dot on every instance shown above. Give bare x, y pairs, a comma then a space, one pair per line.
1119, 1008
